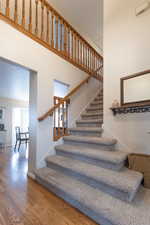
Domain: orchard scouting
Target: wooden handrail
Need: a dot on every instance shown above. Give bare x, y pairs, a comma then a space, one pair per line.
41, 22
51, 110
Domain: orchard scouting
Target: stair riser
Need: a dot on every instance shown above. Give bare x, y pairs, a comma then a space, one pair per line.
98, 99
99, 106
96, 162
75, 203
93, 114
90, 181
101, 94
89, 124
93, 110
92, 117
96, 104
93, 146
88, 134
95, 107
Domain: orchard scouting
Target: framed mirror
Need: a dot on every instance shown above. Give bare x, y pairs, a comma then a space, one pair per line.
135, 89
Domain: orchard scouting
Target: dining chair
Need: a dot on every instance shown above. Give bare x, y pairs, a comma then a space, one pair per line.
21, 138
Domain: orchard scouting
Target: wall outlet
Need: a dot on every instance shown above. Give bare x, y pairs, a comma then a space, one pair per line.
142, 8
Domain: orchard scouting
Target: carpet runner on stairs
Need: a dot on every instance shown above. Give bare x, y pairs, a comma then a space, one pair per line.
86, 131
89, 123
89, 173
122, 184
114, 160
101, 207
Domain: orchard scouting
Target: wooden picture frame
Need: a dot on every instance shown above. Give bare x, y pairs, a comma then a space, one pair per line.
134, 103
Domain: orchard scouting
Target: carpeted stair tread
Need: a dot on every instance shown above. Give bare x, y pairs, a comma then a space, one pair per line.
99, 98
125, 181
94, 108
115, 157
86, 129
90, 121
91, 140
92, 114
101, 207
100, 94
96, 103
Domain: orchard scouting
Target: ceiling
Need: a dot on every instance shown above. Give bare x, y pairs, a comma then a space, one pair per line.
14, 81
86, 16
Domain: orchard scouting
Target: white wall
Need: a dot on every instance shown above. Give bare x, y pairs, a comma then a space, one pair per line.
89, 24
60, 89
126, 51
81, 99
26, 52
14, 81
8, 105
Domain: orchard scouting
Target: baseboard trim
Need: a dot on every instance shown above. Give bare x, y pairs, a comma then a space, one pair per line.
31, 175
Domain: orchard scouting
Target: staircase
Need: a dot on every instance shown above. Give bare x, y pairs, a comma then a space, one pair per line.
91, 175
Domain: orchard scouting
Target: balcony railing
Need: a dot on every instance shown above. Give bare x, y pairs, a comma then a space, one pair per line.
41, 22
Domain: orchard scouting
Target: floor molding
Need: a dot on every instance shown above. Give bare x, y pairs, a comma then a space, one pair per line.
31, 175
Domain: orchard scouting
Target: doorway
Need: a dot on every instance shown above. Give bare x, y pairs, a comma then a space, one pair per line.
60, 89
18, 104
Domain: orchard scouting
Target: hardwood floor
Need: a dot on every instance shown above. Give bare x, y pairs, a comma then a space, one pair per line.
24, 202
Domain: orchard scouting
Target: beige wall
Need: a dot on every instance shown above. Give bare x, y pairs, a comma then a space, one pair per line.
126, 51
8, 105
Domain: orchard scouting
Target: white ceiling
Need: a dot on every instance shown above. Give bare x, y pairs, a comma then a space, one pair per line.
85, 15
14, 81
